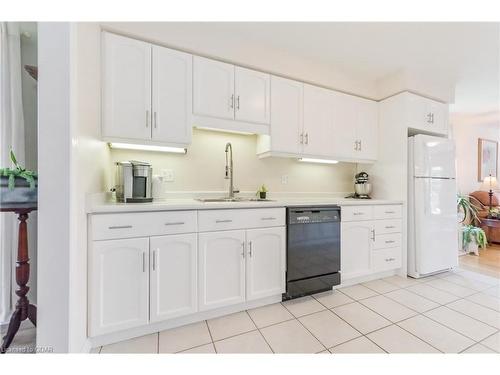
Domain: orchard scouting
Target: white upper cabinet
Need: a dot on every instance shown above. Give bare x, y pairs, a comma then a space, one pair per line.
356, 128
231, 98
221, 268
118, 285
266, 262
126, 88
419, 113
213, 88
172, 99
367, 129
286, 118
318, 131
173, 268
252, 96
147, 93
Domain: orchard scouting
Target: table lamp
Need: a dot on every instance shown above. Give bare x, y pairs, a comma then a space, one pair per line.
489, 184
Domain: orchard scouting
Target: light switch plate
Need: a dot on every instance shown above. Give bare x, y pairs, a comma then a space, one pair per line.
168, 175
284, 179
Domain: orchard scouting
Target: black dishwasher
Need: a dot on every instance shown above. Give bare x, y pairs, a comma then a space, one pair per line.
313, 250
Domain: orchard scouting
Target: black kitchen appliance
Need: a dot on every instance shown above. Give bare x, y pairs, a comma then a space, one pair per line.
313, 250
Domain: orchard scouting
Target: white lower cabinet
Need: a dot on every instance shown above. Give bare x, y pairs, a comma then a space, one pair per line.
266, 262
173, 281
169, 274
356, 248
221, 268
118, 287
371, 240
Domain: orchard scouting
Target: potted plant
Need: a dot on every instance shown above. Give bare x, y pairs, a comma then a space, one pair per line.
17, 185
467, 210
261, 193
473, 238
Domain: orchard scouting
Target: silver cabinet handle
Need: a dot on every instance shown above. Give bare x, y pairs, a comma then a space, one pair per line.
154, 260
389, 259
224, 221
432, 118
175, 223
360, 145
120, 227
250, 249
243, 249
155, 122
143, 261
147, 118
356, 146
390, 241
267, 218
358, 213
301, 138
373, 235
390, 212
231, 101
390, 227
238, 102
307, 138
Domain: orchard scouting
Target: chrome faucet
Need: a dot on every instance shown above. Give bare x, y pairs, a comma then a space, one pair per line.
229, 170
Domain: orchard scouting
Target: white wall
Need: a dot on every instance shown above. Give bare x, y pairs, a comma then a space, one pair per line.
202, 168
466, 131
55, 187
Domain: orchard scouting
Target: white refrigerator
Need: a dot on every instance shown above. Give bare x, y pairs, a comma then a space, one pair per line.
432, 207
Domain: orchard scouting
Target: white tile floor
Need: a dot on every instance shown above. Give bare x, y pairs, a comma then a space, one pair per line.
455, 312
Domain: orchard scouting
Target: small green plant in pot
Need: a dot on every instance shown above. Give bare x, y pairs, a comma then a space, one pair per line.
17, 185
262, 192
473, 238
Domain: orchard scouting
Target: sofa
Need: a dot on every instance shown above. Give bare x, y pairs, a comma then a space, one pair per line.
482, 200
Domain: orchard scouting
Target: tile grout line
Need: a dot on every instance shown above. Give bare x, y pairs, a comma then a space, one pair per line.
463, 334
297, 319
451, 308
211, 337
258, 329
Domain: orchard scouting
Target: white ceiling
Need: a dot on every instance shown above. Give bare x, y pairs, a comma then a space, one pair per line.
466, 53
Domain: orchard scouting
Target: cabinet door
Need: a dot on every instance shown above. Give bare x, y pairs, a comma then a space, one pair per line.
286, 115
345, 120
213, 88
367, 128
266, 253
319, 131
173, 276
221, 268
438, 117
253, 96
356, 248
118, 285
172, 96
126, 88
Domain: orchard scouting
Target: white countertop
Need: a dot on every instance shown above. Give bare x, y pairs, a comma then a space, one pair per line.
97, 207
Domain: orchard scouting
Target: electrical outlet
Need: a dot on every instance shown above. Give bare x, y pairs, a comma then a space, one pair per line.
168, 175
284, 179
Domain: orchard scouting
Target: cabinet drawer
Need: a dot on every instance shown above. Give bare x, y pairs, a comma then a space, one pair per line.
392, 211
386, 259
214, 220
385, 241
387, 226
356, 213
142, 224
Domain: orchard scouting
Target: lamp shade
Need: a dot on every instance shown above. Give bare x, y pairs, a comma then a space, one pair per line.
489, 183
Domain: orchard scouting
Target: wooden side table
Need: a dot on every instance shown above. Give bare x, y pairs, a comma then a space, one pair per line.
24, 310
492, 229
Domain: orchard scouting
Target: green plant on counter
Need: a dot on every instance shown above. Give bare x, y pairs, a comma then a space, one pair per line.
262, 189
18, 171
472, 233
468, 208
